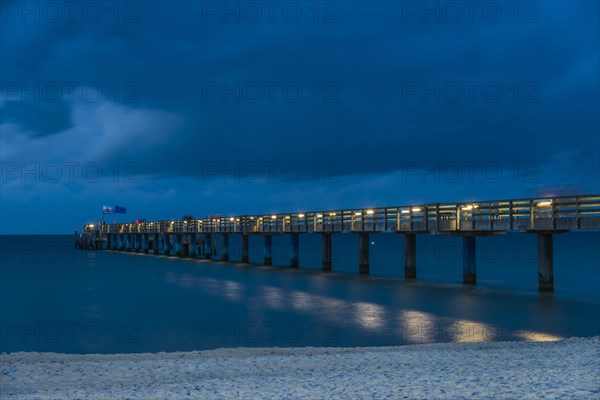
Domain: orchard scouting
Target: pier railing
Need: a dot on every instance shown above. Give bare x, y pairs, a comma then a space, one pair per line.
533, 214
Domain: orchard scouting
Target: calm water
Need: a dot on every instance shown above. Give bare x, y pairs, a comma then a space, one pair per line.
56, 298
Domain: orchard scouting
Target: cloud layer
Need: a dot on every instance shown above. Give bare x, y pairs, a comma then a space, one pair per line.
374, 94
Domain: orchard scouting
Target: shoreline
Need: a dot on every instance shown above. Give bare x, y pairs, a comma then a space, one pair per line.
566, 368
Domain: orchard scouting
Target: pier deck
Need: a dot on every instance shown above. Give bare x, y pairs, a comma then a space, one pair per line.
194, 237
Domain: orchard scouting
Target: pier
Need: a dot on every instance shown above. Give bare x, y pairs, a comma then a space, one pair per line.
196, 238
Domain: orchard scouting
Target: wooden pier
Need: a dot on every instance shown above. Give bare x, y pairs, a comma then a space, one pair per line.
194, 238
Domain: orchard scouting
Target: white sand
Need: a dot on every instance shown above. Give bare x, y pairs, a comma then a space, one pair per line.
568, 369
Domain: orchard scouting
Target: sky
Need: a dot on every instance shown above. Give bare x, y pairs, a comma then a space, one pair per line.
206, 107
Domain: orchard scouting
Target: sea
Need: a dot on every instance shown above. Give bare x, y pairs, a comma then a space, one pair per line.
55, 298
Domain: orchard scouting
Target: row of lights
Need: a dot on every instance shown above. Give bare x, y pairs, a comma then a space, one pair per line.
469, 207
544, 203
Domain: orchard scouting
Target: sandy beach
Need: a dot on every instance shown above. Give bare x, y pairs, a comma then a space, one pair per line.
506, 370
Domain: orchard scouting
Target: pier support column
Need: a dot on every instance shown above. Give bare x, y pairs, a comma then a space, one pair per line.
202, 246
192, 246
208, 246
545, 262
268, 250
109, 241
155, 243
224, 246
410, 256
128, 242
326, 246
158, 244
363, 253
185, 245
295, 250
166, 242
469, 260
177, 245
137, 242
245, 248
144, 242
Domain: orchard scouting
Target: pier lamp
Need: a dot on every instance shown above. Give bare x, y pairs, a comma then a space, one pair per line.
300, 215
273, 216
370, 212
405, 211
545, 203
358, 213
416, 209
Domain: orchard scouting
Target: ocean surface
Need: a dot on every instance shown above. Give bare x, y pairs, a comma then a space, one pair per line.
54, 298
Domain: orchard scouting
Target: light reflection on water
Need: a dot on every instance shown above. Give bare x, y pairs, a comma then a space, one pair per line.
169, 304
411, 326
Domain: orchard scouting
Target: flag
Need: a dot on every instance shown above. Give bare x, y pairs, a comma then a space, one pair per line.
108, 210
120, 210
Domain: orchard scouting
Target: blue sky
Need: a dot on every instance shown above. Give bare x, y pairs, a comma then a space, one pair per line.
172, 108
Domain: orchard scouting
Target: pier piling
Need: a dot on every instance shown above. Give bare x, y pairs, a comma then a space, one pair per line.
295, 250
245, 248
410, 256
363, 253
326, 238
193, 246
176, 250
166, 248
155, 243
144, 242
208, 249
545, 262
225, 247
469, 260
268, 250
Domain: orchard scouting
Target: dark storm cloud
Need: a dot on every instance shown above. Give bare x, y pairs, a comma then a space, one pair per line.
147, 94
378, 70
